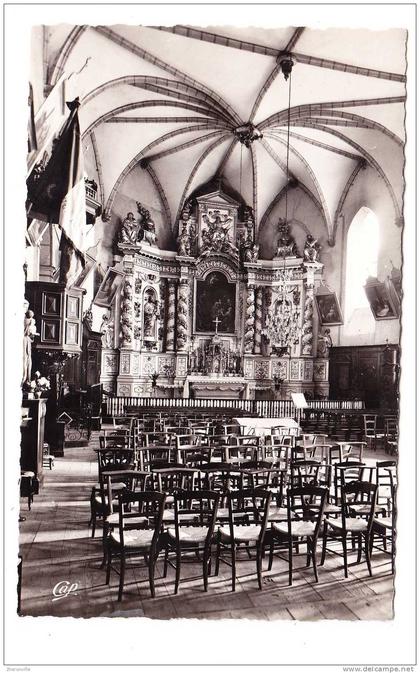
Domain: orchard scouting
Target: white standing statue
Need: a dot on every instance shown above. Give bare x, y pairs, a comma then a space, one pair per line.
29, 333
107, 330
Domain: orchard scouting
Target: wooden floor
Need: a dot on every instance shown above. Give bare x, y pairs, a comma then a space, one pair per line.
56, 546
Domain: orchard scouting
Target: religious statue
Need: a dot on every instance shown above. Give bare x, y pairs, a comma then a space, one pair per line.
193, 234
324, 344
216, 236
147, 232
286, 246
29, 333
251, 253
129, 229
312, 249
184, 242
107, 331
149, 315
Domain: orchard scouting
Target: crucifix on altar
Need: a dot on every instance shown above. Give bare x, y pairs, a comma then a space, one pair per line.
216, 322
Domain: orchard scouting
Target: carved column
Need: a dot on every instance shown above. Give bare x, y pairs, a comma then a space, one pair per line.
258, 319
127, 313
249, 320
170, 323
182, 316
308, 314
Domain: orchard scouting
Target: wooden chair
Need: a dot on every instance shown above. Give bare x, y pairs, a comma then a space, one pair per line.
384, 528
114, 483
194, 518
134, 537
391, 435
108, 460
305, 511
352, 450
248, 515
370, 433
359, 526
47, 456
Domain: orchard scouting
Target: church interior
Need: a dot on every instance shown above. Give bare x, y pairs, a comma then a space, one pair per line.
212, 322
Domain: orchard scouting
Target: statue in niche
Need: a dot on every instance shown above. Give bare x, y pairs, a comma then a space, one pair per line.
147, 231
29, 333
286, 246
312, 249
324, 344
129, 229
149, 316
184, 242
107, 331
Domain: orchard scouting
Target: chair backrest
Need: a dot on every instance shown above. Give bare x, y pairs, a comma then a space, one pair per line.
249, 506
133, 480
370, 421
307, 503
186, 440
386, 480
304, 472
363, 493
335, 454
391, 427
222, 477
149, 505
173, 479
114, 459
196, 508
353, 450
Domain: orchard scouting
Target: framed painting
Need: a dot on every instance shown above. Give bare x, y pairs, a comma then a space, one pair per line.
108, 288
328, 309
383, 299
215, 301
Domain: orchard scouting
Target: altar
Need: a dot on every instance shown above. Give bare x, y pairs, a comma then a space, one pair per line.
215, 386
210, 319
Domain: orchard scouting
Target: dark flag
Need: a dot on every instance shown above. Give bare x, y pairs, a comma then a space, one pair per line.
57, 194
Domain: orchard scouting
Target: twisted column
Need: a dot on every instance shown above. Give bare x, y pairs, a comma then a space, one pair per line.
170, 323
249, 320
308, 314
258, 319
182, 316
127, 313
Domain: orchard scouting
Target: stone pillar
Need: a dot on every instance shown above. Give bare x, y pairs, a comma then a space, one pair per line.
308, 314
258, 319
249, 320
170, 322
182, 316
127, 313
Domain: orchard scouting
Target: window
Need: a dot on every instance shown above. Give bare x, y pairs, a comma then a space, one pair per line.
361, 259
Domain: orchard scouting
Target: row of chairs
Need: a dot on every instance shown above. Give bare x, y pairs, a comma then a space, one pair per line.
202, 521
222, 478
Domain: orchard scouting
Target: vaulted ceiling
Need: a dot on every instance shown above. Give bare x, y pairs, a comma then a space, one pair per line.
173, 100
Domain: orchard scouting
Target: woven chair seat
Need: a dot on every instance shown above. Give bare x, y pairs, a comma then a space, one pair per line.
134, 539
190, 534
299, 528
240, 533
353, 525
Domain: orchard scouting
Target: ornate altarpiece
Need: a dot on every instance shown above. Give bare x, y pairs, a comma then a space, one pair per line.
213, 320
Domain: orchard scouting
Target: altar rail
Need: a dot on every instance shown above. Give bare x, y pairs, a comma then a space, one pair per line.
116, 406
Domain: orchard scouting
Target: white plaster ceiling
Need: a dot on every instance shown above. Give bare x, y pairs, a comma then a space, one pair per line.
179, 93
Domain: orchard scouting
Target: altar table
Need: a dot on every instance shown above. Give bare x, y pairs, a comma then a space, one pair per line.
264, 426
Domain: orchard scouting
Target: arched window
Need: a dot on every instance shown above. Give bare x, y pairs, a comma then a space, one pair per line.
361, 259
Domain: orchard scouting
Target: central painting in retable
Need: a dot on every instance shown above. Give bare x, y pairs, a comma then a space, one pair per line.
215, 299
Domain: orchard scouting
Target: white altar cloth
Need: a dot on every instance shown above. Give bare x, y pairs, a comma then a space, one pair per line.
264, 426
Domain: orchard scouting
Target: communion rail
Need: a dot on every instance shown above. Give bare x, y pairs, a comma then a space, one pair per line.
116, 406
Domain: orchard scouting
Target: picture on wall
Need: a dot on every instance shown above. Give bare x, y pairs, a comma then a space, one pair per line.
383, 299
329, 309
215, 299
108, 288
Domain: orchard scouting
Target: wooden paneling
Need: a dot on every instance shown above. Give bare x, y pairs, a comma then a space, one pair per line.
369, 373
